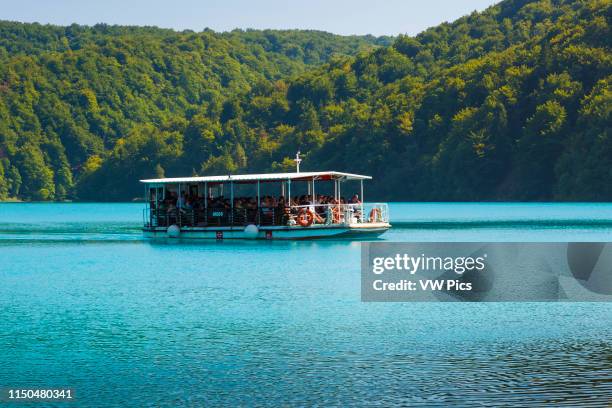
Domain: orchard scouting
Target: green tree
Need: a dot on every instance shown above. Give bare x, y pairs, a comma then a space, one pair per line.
37, 177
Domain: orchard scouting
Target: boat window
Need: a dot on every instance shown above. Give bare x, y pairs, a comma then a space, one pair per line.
156, 195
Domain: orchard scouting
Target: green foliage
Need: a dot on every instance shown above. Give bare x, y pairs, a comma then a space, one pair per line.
511, 103
87, 111
492, 106
4, 183
37, 175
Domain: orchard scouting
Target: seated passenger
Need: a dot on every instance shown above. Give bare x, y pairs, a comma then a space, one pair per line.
316, 217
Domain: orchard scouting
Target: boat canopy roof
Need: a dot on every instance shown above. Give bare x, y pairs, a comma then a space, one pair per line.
249, 178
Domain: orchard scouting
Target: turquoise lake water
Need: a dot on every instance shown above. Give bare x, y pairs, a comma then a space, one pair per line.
87, 303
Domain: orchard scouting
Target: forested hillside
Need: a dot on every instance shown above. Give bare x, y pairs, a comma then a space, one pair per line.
72, 97
513, 103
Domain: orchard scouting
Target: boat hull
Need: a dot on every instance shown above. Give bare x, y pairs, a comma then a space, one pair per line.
351, 231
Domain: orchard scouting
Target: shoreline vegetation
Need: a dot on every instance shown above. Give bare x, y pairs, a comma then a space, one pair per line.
510, 104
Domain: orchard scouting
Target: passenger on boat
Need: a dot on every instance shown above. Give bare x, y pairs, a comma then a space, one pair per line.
170, 201
181, 200
282, 211
270, 210
313, 209
267, 209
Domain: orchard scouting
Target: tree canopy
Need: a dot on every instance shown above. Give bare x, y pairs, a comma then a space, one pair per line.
513, 103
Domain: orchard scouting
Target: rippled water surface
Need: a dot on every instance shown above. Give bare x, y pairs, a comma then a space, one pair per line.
87, 303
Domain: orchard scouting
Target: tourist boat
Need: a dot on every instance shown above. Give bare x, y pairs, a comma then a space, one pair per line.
258, 206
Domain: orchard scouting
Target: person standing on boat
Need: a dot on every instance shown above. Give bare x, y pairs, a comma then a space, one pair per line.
355, 209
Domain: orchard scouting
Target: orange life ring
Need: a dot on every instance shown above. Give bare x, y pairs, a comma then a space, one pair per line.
305, 217
375, 215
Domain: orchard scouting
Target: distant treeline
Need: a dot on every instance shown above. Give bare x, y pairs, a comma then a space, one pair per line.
513, 103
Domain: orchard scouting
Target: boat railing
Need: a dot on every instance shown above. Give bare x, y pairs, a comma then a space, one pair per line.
358, 213
377, 212
323, 214
211, 217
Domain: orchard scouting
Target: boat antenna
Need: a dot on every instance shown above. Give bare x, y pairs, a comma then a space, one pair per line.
297, 161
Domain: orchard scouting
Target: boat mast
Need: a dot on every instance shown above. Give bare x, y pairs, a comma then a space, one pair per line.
297, 161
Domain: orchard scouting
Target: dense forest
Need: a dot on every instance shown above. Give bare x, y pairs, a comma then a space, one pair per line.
513, 103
